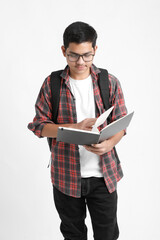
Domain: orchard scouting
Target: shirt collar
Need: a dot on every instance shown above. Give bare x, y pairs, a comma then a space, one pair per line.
94, 72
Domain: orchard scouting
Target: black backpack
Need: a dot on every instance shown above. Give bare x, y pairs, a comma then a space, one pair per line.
55, 84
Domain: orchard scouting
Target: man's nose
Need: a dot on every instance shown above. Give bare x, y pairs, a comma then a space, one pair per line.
80, 60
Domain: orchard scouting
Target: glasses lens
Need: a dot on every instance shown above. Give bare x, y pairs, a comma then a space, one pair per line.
88, 58
73, 57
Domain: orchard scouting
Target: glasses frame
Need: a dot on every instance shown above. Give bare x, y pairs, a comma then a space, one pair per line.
81, 55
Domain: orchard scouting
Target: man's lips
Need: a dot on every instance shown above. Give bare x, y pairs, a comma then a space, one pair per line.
80, 67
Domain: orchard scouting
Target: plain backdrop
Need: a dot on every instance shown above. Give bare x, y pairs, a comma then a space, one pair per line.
129, 47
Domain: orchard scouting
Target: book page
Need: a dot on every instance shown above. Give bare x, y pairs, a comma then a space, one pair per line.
101, 119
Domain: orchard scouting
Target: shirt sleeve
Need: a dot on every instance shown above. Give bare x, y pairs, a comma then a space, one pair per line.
43, 109
116, 99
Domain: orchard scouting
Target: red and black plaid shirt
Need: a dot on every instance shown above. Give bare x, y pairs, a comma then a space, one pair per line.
65, 164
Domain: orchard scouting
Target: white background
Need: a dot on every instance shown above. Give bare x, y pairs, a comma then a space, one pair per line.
129, 47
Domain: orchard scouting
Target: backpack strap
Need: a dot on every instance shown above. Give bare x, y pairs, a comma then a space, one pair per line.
55, 84
55, 81
104, 87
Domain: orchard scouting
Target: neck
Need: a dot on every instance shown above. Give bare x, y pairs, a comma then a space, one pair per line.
79, 76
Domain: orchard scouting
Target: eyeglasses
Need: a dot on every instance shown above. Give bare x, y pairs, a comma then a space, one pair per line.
87, 57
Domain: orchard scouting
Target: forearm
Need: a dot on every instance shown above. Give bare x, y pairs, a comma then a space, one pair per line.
50, 130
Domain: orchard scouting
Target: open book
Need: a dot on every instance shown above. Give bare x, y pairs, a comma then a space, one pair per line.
83, 137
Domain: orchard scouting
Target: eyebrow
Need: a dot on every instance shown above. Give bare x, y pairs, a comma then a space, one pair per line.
80, 54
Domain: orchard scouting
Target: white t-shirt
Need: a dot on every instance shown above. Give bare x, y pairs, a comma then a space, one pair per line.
85, 108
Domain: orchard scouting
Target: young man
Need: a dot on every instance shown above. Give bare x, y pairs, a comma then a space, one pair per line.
82, 175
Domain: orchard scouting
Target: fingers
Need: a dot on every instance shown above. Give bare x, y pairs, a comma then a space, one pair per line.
86, 124
98, 149
89, 121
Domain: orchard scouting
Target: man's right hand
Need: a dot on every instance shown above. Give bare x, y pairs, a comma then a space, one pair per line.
86, 124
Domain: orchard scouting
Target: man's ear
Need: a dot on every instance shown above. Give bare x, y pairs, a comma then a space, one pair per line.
63, 51
95, 48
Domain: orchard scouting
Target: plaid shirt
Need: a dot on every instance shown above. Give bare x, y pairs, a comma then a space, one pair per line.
65, 164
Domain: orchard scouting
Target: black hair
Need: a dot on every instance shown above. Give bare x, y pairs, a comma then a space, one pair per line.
79, 32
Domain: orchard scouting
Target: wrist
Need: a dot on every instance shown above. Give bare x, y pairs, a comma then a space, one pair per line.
115, 139
110, 144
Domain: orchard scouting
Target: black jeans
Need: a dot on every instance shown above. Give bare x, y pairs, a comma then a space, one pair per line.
102, 207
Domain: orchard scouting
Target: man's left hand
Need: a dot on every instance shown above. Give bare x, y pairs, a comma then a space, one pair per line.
106, 145
100, 148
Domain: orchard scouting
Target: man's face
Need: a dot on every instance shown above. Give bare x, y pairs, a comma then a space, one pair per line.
79, 69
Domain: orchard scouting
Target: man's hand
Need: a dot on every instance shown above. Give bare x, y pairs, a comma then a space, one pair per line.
106, 145
100, 148
86, 124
